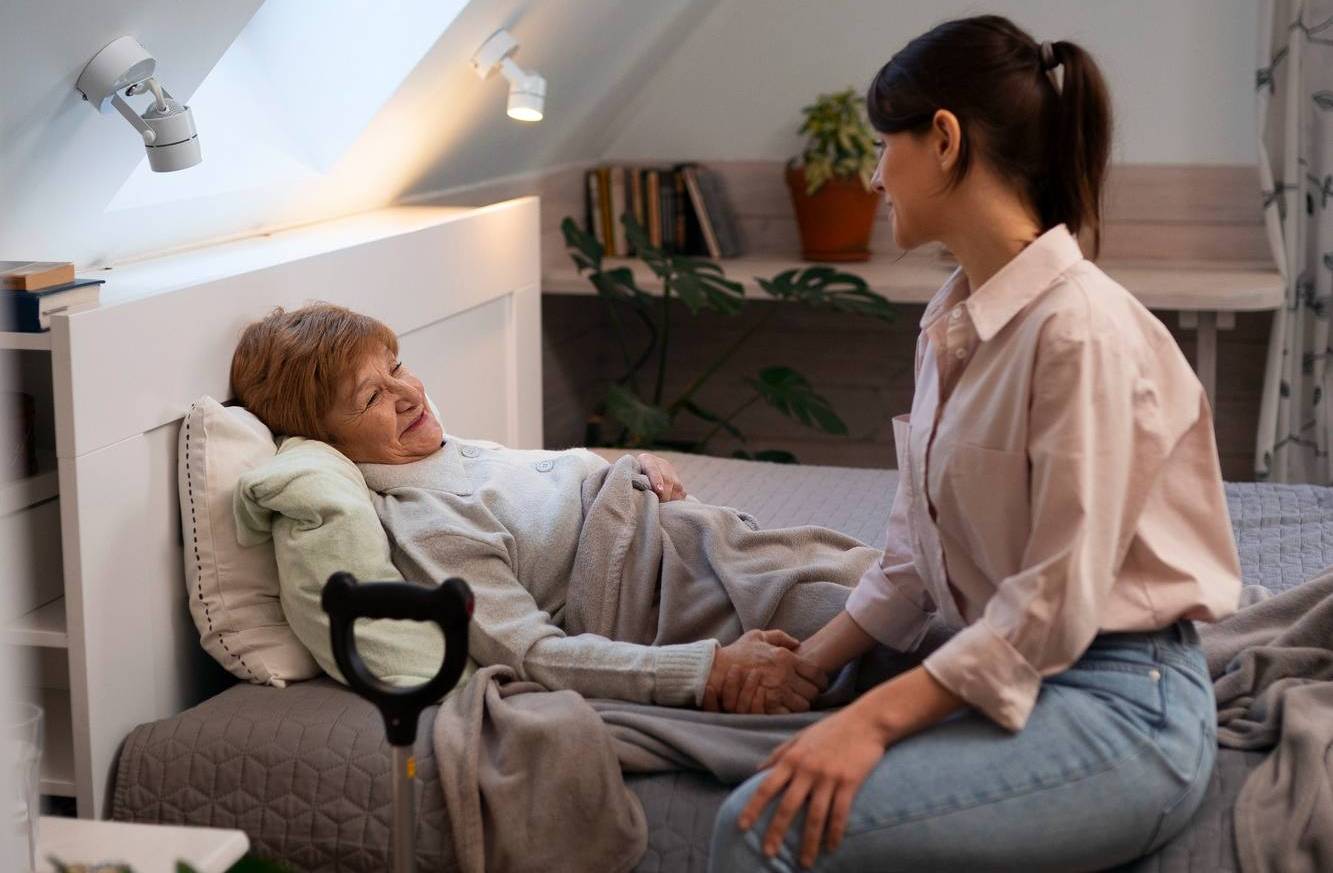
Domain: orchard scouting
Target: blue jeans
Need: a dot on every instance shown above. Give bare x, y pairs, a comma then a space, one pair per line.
1113, 761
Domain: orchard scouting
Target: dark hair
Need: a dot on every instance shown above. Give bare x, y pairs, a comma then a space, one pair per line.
990, 73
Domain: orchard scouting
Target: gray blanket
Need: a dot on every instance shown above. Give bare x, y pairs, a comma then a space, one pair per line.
543, 767
1272, 664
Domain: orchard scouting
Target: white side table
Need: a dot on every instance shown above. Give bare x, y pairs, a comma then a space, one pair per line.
145, 848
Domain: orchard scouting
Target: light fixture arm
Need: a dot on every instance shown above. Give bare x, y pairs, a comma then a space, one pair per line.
125, 109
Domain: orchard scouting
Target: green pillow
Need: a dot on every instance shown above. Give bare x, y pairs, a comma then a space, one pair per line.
312, 501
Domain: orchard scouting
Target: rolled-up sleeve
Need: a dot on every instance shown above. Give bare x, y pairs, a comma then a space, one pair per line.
1096, 442
890, 602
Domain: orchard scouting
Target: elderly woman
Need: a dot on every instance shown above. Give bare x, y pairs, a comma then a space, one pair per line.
517, 527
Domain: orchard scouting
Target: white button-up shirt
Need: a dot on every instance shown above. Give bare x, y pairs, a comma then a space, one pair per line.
1058, 478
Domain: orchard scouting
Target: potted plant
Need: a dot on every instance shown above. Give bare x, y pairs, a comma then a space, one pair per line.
830, 187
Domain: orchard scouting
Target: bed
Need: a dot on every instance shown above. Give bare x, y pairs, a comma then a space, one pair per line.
304, 770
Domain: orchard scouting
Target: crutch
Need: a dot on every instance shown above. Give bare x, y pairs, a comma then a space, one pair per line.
449, 606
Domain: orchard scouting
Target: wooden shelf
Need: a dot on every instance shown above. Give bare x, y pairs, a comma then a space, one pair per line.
43, 627
25, 341
22, 493
914, 278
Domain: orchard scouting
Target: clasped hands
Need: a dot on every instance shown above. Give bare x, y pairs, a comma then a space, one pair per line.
762, 674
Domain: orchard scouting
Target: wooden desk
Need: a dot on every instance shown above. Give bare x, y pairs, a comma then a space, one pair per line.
1206, 294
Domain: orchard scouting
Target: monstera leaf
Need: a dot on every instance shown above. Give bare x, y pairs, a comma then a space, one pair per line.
654, 257
828, 287
702, 285
583, 247
644, 421
617, 283
790, 393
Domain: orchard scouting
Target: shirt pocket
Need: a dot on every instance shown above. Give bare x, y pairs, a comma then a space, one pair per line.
983, 501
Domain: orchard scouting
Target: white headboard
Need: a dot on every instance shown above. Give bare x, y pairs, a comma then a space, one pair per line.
459, 286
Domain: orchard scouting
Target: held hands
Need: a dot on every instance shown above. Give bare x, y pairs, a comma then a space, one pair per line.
663, 476
760, 674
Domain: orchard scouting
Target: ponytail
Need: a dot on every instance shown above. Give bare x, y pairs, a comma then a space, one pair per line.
1078, 142
1039, 115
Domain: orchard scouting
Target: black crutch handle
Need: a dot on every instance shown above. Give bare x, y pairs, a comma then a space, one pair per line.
448, 605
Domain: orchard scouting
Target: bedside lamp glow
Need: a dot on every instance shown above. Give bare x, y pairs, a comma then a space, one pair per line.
527, 91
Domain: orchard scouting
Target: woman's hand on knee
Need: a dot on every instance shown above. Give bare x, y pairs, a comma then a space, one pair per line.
760, 674
820, 768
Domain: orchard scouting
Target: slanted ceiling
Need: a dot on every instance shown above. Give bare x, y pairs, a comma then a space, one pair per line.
61, 163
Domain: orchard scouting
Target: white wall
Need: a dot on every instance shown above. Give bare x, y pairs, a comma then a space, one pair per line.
1181, 72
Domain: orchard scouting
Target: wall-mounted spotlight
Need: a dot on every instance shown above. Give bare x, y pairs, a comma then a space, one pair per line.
167, 127
527, 91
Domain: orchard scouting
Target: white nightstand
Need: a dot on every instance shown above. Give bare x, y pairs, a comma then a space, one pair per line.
145, 848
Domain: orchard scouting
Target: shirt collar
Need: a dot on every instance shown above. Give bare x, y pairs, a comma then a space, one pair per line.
1017, 284
444, 470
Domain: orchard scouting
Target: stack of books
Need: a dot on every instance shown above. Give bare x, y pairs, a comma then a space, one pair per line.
682, 209
35, 290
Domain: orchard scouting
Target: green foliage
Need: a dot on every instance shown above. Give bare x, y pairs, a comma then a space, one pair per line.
790, 393
644, 416
840, 143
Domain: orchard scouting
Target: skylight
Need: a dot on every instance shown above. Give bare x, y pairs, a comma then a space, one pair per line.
293, 92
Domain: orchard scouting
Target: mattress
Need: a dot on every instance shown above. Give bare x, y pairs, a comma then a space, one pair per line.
304, 770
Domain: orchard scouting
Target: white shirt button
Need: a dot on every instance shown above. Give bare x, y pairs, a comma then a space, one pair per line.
960, 353
957, 312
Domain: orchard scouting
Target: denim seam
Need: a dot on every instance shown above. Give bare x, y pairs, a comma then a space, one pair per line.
1190, 785
941, 811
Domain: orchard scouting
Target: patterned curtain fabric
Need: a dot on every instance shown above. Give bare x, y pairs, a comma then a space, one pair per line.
1295, 89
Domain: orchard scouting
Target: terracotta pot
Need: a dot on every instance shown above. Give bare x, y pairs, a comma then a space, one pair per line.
836, 222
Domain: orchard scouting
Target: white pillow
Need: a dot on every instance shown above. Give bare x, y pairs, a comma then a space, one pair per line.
232, 589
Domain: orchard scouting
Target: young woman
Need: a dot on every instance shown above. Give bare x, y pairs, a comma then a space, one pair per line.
1060, 502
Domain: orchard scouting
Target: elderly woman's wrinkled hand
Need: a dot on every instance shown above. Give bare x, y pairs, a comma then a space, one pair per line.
761, 674
665, 481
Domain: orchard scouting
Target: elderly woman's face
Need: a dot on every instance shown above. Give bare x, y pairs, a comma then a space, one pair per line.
381, 416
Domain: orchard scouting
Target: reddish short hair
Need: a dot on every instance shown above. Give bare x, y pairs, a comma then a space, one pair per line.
289, 366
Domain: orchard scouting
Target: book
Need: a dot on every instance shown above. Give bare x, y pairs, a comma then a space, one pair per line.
654, 208
31, 311
594, 208
636, 197
666, 206
618, 208
678, 210
604, 201
34, 275
719, 213
691, 176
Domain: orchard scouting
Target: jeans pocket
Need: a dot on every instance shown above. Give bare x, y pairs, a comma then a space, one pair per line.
1133, 687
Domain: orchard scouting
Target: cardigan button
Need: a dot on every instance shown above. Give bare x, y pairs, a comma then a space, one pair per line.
469, 451
545, 466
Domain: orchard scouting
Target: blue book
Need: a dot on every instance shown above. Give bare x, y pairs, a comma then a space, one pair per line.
31, 311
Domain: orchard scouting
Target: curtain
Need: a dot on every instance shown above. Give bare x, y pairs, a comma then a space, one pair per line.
1295, 103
